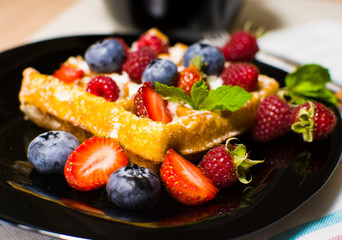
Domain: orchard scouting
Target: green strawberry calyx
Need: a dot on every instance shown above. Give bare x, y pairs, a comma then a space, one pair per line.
305, 123
240, 159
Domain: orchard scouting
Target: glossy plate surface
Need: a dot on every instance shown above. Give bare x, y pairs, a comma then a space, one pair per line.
292, 173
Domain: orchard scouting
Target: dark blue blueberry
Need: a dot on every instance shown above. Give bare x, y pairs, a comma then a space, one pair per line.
160, 70
49, 151
105, 56
212, 59
133, 187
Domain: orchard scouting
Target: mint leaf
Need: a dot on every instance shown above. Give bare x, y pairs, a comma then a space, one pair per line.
173, 93
309, 82
199, 92
225, 97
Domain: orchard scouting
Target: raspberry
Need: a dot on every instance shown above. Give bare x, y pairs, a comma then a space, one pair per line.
104, 86
244, 75
218, 165
152, 41
137, 61
227, 163
242, 46
272, 119
313, 120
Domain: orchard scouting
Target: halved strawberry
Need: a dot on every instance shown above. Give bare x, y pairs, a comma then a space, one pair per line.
68, 74
184, 181
92, 162
148, 103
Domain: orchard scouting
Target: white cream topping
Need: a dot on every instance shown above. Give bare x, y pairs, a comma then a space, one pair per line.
214, 82
80, 63
133, 88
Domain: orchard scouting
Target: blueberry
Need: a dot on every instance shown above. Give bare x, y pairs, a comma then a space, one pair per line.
105, 56
212, 58
133, 187
160, 70
49, 151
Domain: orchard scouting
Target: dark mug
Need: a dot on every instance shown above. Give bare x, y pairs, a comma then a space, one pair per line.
186, 19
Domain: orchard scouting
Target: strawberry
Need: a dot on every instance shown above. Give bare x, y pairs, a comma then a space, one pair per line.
92, 162
184, 181
104, 86
137, 61
68, 74
272, 119
154, 39
188, 77
226, 164
242, 74
148, 103
313, 121
242, 46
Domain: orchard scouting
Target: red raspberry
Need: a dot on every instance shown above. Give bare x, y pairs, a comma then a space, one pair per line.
272, 119
104, 86
219, 166
152, 41
188, 77
242, 46
224, 163
244, 75
137, 61
313, 120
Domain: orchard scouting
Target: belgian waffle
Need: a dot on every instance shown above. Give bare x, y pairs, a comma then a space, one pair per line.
53, 104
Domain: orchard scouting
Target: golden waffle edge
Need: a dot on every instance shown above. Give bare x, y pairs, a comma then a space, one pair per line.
52, 104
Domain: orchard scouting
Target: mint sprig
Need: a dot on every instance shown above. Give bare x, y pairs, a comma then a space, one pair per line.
308, 82
225, 97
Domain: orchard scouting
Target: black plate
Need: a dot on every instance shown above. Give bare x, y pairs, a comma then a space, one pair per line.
292, 173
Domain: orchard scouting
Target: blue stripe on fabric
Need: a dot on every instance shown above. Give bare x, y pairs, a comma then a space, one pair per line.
309, 227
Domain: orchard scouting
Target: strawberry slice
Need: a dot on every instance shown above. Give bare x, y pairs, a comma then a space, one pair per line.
184, 181
92, 162
68, 74
188, 77
148, 103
